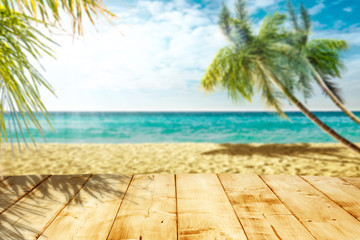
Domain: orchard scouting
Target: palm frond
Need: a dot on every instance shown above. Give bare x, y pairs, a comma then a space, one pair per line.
19, 79
305, 19
293, 16
216, 70
268, 94
270, 28
224, 20
240, 10
325, 56
304, 86
241, 32
329, 44
230, 71
49, 11
334, 88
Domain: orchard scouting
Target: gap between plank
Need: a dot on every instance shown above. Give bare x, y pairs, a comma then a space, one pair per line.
122, 200
349, 182
286, 206
329, 197
57, 214
43, 180
232, 207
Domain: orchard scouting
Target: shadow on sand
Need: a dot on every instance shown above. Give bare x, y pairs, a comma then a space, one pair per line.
20, 211
301, 150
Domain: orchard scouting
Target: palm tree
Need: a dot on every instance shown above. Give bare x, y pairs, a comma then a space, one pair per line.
259, 62
20, 40
323, 56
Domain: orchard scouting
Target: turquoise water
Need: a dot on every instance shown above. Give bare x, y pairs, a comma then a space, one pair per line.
217, 127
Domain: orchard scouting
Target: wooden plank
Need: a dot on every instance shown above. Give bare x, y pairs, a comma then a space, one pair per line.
2, 178
14, 188
342, 193
33, 213
353, 181
321, 216
91, 213
261, 213
148, 210
204, 211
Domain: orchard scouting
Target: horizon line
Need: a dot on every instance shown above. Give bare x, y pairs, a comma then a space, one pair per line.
174, 111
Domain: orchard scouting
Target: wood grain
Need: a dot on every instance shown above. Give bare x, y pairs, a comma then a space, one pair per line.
91, 213
261, 213
148, 210
353, 181
185, 206
342, 193
320, 215
27, 218
204, 211
14, 188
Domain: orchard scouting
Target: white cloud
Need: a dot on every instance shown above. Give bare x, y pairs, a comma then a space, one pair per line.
255, 5
339, 24
348, 9
168, 48
350, 82
261, 4
351, 34
317, 8
156, 65
351, 75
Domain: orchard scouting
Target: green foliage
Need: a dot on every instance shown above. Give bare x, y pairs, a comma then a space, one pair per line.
272, 59
19, 79
229, 70
236, 30
224, 20
323, 54
270, 28
292, 13
305, 19
252, 61
240, 10
22, 45
49, 11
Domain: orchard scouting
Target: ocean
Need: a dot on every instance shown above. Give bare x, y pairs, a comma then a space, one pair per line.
215, 127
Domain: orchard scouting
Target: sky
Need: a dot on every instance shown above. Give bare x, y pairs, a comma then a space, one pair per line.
153, 57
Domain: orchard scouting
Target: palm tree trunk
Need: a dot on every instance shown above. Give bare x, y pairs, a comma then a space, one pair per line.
309, 114
333, 97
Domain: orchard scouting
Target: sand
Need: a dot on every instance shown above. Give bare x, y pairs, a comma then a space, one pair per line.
283, 159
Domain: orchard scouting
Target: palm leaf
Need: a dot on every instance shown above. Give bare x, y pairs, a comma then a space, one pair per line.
305, 19
270, 28
224, 20
293, 16
231, 72
241, 32
268, 94
20, 80
334, 88
49, 11
325, 56
240, 10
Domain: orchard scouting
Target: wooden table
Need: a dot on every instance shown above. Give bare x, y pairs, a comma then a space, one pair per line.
181, 206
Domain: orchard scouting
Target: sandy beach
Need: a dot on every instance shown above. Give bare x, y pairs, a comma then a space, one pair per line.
289, 159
